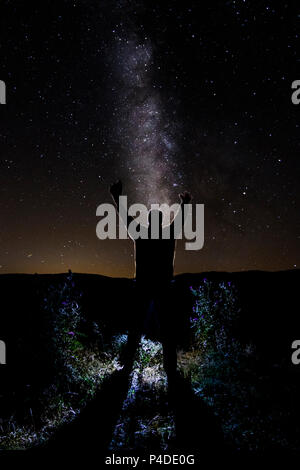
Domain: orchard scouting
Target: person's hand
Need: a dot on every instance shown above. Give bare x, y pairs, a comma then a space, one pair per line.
185, 197
116, 189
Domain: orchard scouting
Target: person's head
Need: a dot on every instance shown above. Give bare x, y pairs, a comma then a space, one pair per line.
155, 218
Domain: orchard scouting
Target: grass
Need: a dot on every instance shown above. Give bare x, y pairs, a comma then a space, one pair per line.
145, 421
92, 368
254, 400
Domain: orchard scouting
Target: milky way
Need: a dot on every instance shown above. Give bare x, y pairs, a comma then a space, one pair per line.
144, 130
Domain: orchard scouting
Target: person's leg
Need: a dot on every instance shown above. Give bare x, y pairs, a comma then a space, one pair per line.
135, 327
127, 356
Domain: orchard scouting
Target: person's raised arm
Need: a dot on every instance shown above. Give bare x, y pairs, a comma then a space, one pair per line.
177, 223
185, 198
116, 191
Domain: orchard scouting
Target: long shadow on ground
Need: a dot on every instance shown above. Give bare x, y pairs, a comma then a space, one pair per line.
197, 431
91, 431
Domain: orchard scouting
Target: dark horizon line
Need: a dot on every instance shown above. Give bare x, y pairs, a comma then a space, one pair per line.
175, 275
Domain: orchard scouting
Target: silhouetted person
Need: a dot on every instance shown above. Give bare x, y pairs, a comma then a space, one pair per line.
154, 264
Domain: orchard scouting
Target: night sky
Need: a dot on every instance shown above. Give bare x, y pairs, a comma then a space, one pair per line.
165, 95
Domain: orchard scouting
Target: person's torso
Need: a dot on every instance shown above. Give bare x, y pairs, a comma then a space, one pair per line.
154, 260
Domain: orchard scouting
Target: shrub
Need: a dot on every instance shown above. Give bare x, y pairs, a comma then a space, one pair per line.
214, 313
62, 307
